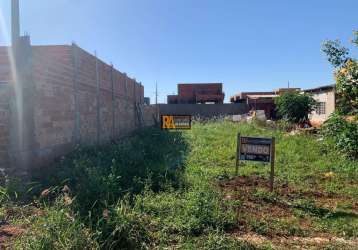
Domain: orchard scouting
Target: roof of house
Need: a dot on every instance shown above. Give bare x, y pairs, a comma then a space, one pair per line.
261, 96
201, 83
321, 88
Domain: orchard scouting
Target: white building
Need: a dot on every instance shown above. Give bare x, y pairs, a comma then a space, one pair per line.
326, 98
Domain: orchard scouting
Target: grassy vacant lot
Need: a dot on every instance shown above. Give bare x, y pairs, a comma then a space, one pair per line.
316, 192
161, 190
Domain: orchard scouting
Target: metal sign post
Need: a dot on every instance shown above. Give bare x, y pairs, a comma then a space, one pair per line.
256, 149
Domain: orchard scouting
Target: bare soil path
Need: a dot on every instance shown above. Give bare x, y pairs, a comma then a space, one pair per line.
286, 219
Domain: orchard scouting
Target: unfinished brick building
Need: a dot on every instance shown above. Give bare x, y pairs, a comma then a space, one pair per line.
53, 98
63, 96
193, 93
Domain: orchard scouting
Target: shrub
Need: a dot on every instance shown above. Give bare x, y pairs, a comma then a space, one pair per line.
347, 88
125, 228
343, 133
294, 106
99, 176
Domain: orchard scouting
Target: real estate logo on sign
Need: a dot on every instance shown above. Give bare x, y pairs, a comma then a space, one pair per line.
176, 122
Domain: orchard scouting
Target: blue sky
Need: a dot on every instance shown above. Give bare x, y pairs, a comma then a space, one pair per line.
249, 45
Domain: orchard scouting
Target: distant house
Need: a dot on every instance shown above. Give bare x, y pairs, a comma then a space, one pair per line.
326, 103
194, 93
261, 100
146, 101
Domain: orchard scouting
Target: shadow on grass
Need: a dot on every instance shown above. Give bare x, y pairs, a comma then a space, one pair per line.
311, 208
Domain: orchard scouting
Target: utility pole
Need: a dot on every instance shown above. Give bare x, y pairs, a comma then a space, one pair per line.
15, 22
156, 93
156, 101
23, 147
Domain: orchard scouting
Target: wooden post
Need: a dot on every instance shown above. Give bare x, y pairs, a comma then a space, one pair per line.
272, 160
238, 144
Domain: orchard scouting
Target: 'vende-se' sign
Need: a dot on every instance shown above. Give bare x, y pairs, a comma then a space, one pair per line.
176, 122
255, 149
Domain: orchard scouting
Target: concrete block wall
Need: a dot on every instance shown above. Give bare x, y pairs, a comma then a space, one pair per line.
76, 99
150, 114
203, 110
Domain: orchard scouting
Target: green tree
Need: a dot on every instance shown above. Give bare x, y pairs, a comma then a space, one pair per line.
343, 131
336, 53
294, 106
355, 40
347, 88
346, 76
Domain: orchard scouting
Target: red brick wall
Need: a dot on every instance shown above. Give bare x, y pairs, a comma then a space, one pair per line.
57, 69
54, 102
5, 72
198, 92
5, 96
87, 87
68, 89
189, 90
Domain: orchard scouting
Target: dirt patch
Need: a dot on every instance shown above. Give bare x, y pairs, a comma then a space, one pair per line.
264, 217
7, 233
299, 242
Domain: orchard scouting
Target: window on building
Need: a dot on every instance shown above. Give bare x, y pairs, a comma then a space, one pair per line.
321, 108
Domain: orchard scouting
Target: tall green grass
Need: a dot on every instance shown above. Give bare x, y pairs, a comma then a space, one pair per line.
132, 195
157, 189
57, 227
99, 176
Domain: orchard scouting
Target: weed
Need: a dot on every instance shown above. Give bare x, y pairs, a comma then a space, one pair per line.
309, 206
259, 227
341, 224
219, 241
184, 214
287, 227
4, 196
124, 228
56, 228
266, 196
